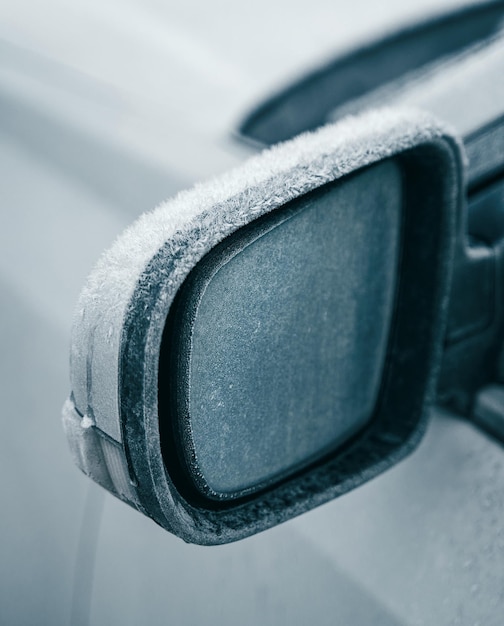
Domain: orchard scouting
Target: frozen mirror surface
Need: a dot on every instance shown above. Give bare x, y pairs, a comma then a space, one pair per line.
285, 334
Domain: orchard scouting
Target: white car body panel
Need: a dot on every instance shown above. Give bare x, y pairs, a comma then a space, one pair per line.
104, 111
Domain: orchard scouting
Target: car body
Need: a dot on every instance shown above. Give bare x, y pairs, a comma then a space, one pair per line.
107, 110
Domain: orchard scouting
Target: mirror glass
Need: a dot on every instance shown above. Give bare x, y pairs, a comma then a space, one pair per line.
278, 337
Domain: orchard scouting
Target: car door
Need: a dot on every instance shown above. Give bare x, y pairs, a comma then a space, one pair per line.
106, 110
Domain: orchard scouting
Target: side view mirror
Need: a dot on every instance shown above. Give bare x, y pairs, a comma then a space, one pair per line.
270, 340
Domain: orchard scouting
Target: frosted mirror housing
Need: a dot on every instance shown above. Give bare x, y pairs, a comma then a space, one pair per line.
269, 340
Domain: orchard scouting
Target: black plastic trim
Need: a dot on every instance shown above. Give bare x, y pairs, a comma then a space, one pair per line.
306, 104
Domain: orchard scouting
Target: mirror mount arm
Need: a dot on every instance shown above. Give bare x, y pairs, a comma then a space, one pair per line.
473, 357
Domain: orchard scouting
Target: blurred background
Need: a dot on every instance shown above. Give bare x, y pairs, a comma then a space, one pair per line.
105, 110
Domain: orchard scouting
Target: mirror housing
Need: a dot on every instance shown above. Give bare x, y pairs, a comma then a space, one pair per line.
308, 287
